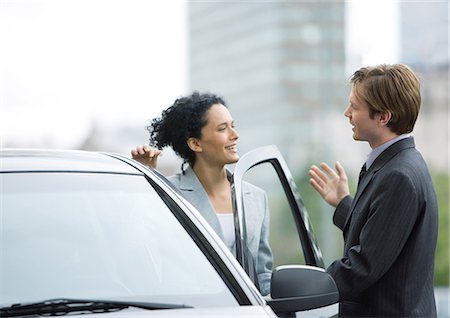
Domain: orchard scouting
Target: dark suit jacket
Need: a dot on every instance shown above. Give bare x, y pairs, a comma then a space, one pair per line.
390, 233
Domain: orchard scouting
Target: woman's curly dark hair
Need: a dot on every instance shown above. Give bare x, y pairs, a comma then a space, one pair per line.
181, 121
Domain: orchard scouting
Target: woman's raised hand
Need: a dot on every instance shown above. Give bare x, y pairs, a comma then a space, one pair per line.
146, 155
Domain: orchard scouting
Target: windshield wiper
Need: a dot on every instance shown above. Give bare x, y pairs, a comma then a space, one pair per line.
63, 306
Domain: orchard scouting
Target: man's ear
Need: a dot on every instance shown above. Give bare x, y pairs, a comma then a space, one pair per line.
194, 144
384, 118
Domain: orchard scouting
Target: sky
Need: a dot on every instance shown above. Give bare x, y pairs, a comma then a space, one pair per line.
65, 64
372, 32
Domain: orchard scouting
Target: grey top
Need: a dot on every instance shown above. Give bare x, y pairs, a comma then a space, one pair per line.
256, 218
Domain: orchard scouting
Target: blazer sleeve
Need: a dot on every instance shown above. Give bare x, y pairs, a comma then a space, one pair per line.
264, 264
392, 211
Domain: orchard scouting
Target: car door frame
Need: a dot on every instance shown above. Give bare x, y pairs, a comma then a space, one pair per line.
270, 154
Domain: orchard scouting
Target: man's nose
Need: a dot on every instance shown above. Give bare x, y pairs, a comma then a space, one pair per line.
347, 112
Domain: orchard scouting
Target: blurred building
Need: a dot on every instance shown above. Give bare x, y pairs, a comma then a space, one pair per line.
424, 33
280, 66
425, 47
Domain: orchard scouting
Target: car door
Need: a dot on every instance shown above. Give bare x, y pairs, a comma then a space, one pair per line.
294, 241
305, 286
271, 158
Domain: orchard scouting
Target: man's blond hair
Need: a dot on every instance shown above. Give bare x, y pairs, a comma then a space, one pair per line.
390, 88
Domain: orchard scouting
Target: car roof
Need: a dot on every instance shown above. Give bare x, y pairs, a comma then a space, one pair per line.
22, 160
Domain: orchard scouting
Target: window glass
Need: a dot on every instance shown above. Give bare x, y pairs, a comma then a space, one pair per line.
69, 235
284, 239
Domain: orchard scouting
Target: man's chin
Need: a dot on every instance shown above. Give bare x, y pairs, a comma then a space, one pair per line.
358, 138
234, 160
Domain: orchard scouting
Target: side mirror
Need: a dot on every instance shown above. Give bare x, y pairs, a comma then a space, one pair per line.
301, 287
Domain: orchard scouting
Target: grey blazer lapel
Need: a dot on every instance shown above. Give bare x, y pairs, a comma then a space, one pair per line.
194, 192
379, 162
253, 219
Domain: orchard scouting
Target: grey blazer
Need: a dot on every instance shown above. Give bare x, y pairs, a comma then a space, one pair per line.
390, 233
257, 220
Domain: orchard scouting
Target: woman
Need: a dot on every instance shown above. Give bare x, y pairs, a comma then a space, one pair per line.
200, 130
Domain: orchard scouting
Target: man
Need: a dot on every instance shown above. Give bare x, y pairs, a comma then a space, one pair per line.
390, 226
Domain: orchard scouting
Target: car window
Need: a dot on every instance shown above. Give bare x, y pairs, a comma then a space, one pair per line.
292, 238
103, 236
283, 236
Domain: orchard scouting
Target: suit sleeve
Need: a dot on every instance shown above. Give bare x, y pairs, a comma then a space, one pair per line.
342, 211
393, 209
264, 267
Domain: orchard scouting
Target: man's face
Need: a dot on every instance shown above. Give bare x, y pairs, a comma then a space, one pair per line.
364, 127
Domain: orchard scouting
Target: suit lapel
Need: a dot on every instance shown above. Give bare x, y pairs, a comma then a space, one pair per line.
379, 162
193, 190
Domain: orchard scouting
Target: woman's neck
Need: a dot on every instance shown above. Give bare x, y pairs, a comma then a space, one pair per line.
212, 178
215, 182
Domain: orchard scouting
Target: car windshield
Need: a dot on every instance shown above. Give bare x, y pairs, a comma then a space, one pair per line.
98, 236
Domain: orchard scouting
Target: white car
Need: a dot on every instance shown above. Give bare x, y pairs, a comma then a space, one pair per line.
100, 234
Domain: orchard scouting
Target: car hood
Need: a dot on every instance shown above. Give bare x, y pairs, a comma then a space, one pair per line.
240, 311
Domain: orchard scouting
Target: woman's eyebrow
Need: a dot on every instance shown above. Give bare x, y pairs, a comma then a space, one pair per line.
225, 123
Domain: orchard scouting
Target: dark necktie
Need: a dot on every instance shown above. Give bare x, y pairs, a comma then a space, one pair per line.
362, 173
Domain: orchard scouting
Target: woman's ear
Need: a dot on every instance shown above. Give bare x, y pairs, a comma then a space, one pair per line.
194, 144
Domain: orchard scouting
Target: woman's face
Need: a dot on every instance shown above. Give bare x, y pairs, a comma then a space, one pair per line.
218, 141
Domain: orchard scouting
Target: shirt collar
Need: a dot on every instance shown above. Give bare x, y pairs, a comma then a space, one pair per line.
378, 150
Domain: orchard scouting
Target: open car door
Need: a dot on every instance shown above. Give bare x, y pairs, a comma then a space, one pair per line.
298, 287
